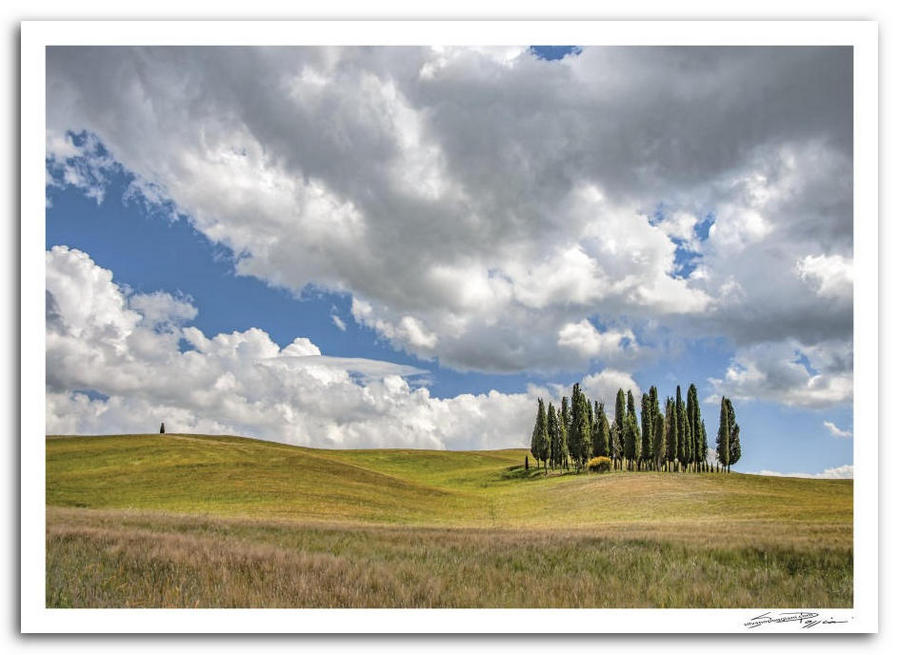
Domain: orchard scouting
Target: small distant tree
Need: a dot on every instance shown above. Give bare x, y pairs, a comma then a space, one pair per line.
162, 428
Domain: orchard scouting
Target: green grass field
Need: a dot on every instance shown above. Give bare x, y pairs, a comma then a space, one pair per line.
203, 521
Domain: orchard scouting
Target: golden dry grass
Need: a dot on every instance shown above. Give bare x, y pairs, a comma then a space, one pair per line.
138, 559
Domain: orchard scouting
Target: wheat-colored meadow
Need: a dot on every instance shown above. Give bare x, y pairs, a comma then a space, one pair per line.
194, 521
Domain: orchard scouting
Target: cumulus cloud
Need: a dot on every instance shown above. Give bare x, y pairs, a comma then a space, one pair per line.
844, 472
477, 203
790, 373
831, 276
588, 341
605, 385
836, 431
102, 339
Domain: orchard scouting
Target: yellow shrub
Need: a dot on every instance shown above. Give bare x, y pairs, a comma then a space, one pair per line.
599, 464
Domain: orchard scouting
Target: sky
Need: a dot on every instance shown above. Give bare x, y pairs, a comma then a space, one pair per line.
406, 247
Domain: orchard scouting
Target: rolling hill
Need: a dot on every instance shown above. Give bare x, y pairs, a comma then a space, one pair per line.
425, 528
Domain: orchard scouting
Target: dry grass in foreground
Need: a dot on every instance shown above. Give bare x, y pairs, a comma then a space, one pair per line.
118, 558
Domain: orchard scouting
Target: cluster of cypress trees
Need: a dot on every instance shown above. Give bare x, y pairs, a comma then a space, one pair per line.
670, 441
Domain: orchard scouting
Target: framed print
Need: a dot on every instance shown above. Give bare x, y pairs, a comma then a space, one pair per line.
446, 327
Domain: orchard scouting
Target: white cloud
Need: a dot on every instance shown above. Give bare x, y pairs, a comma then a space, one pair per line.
588, 341
844, 472
339, 322
604, 386
160, 308
98, 339
776, 372
832, 276
836, 431
476, 203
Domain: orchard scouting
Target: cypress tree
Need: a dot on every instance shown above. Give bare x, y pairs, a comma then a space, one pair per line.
580, 434
671, 433
704, 445
600, 446
680, 427
631, 411
539, 432
564, 419
575, 420
723, 438
735, 445
620, 424
631, 437
659, 445
656, 429
633, 414
614, 448
553, 433
543, 443
647, 420
693, 420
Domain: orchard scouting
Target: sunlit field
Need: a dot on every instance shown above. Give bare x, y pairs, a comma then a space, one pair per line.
201, 521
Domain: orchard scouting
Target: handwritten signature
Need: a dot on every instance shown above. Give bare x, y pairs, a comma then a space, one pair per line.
805, 620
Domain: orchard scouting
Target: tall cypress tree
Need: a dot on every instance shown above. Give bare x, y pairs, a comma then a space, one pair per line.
647, 417
553, 432
543, 442
704, 445
620, 424
693, 420
723, 438
735, 444
580, 432
564, 420
631, 437
539, 434
656, 425
659, 446
600, 445
680, 427
671, 433
633, 414
574, 418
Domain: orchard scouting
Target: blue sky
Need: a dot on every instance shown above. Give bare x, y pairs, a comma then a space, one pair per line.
114, 207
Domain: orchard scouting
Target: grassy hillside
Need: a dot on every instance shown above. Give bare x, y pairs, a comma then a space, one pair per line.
184, 520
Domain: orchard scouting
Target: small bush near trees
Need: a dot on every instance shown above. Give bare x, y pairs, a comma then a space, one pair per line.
599, 464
